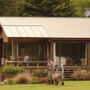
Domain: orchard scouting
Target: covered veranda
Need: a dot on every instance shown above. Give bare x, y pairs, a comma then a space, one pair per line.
25, 45
25, 53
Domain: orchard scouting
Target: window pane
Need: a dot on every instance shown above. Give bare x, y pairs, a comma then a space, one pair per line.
34, 50
74, 53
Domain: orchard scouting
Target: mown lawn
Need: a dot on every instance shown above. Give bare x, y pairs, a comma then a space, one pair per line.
69, 85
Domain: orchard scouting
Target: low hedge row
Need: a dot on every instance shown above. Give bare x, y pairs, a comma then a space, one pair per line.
40, 73
12, 70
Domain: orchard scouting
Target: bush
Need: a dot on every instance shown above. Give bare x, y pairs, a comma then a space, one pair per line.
23, 78
35, 80
81, 75
43, 80
9, 81
40, 73
12, 70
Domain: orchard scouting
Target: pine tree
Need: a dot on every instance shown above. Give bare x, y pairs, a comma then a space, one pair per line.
48, 8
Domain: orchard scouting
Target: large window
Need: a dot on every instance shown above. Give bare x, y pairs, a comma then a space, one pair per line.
34, 50
73, 53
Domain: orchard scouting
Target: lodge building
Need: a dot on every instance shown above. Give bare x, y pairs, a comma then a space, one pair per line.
41, 38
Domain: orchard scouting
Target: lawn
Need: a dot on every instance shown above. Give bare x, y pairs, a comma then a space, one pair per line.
69, 85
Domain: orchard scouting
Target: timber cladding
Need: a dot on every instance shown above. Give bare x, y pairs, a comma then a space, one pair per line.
88, 53
5, 39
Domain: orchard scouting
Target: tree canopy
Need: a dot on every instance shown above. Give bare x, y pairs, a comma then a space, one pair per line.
47, 8
9, 8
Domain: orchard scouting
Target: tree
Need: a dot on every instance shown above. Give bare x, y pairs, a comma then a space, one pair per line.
82, 5
9, 7
49, 8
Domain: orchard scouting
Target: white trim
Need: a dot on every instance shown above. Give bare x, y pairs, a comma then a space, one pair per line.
54, 53
17, 50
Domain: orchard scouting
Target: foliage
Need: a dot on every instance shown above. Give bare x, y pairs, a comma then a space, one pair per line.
10, 81
12, 70
39, 72
82, 5
9, 7
35, 80
83, 75
79, 69
43, 80
23, 78
47, 8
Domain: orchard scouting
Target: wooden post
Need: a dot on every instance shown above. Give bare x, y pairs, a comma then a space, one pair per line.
51, 56
3, 53
17, 51
88, 53
3, 50
12, 47
45, 51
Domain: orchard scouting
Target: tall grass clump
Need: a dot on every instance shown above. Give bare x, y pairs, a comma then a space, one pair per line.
24, 78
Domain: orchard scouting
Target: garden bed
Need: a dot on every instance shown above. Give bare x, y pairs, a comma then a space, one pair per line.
6, 76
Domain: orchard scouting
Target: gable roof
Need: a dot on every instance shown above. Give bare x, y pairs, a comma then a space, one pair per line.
51, 27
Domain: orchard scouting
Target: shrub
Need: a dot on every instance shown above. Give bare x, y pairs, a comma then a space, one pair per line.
43, 80
12, 70
40, 73
80, 75
9, 81
45, 73
22, 78
35, 80
5, 81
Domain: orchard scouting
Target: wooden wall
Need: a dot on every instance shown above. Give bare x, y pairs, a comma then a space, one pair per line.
5, 39
89, 53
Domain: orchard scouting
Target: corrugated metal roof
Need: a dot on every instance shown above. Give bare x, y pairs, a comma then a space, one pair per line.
43, 32
25, 31
49, 27
28, 31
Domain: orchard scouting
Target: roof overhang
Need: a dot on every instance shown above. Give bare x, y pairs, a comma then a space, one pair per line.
25, 31
45, 27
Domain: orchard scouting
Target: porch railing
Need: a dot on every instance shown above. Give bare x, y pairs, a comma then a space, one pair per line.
21, 62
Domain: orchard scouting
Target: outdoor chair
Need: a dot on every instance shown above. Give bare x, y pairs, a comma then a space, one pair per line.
26, 59
11, 61
12, 58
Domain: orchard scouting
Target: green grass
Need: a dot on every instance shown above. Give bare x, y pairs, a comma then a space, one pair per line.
69, 85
